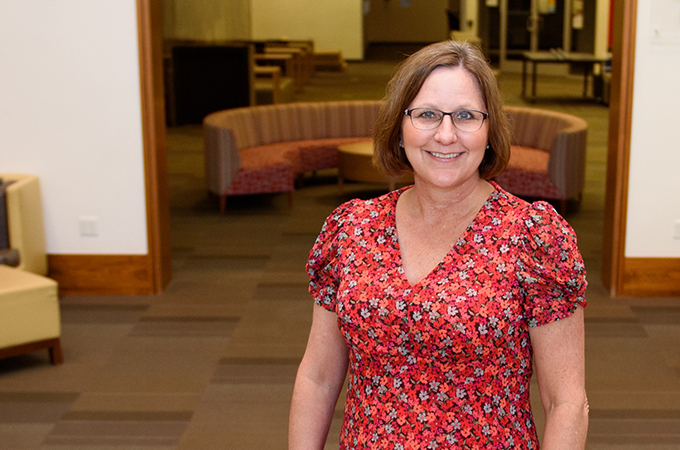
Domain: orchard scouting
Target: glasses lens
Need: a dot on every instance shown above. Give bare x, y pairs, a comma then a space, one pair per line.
429, 119
467, 120
426, 119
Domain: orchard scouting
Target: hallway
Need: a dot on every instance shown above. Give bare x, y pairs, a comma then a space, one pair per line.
210, 363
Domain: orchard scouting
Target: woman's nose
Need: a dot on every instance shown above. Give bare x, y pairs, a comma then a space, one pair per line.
446, 133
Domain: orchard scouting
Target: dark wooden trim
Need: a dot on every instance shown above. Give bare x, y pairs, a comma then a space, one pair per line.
618, 150
102, 274
651, 277
153, 135
52, 345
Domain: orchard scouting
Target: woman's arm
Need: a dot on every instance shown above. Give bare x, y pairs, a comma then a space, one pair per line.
560, 368
318, 383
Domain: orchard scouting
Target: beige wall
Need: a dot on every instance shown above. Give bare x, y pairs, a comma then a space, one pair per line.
423, 21
206, 19
332, 24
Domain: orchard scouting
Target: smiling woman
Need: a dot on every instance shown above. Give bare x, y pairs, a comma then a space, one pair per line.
436, 296
443, 154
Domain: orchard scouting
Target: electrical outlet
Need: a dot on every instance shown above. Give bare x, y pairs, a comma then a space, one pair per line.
88, 226
676, 229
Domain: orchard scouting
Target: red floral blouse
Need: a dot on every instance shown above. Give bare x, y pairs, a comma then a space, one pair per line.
445, 363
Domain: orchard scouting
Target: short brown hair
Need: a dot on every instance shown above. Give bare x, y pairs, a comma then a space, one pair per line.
405, 85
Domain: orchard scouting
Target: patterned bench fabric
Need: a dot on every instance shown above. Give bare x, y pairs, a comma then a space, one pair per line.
527, 174
306, 135
262, 173
563, 137
315, 120
307, 155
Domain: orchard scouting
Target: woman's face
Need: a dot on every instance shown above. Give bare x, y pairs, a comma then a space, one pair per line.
446, 157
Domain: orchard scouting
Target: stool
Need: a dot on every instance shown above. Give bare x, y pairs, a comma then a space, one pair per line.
29, 314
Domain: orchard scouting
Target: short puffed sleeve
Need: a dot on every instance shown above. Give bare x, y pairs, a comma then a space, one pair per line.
322, 265
551, 270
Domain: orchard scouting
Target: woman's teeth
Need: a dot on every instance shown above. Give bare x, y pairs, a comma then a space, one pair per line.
444, 155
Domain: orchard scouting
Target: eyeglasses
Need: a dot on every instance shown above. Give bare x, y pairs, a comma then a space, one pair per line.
429, 119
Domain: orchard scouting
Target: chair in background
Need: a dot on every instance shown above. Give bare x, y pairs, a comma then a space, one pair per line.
231, 172
29, 302
548, 155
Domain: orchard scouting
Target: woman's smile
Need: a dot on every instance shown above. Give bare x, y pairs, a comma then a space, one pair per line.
444, 155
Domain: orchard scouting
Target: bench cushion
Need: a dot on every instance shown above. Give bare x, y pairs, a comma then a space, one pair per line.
527, 174
303, 156
262, 172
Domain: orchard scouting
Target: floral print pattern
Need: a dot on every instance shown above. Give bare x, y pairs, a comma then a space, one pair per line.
445, 363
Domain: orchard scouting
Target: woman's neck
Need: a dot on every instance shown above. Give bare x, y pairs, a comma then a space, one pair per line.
433, 205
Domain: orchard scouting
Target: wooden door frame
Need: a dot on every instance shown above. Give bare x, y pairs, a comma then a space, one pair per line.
150, 42
618, 148
621, 275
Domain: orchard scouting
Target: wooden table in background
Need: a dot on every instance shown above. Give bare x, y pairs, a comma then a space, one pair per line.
355, 163
587, 60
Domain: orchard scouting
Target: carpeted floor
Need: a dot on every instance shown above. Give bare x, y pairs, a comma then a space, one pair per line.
210, 363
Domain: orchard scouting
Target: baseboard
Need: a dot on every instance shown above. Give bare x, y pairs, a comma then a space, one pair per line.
102, 274
650, 277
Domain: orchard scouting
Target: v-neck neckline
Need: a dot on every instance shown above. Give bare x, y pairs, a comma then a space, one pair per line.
454, 247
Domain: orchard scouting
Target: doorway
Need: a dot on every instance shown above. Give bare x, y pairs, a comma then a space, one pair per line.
509, 28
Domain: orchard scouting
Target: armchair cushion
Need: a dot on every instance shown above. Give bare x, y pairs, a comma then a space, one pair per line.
29, 308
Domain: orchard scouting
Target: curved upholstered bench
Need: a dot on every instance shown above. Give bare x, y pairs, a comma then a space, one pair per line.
548, 155
264, 149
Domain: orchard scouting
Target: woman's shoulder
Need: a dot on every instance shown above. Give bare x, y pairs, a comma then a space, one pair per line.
358, 210
527, 215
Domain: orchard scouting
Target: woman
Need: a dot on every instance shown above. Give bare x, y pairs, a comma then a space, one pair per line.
439, 296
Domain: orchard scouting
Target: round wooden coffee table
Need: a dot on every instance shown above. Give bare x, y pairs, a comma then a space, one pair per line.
355, 163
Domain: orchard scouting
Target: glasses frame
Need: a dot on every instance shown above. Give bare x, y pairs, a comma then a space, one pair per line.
485, 116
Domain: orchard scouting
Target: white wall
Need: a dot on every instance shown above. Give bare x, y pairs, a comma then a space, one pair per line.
70, 113
654, 183
332, 24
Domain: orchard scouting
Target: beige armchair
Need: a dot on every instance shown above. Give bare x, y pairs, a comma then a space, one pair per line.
548, 155
29, 301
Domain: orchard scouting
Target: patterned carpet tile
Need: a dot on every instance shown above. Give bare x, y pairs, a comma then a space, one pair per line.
185, 326
281, 291
639, 426
101, 313
120, 428
34, 407
256, 370
614, 327
658, 315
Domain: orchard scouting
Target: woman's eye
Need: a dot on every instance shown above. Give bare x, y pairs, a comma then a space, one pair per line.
465, 115
428, 114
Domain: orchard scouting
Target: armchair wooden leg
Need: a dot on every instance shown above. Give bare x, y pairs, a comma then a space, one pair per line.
223, 204
56, 355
